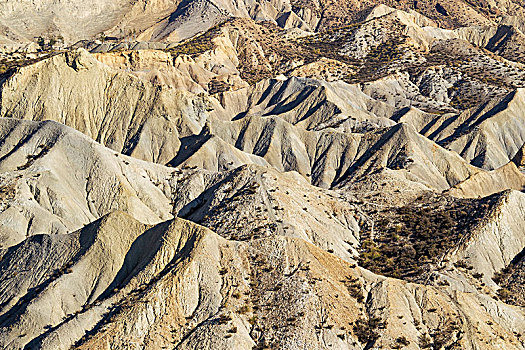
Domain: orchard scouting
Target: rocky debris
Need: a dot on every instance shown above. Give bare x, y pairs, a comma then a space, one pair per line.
265, 203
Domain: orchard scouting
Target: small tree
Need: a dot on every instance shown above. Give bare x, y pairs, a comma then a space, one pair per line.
41, 42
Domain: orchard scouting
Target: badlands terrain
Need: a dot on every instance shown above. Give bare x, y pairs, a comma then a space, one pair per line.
282, 174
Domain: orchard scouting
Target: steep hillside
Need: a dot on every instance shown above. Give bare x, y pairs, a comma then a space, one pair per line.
116, 109
70, 21
187, 286
281, 174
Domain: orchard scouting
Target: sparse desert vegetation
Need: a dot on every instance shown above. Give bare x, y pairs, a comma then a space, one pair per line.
262, 175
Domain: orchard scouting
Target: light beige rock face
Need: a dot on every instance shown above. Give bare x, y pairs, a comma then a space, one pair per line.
56, 180
498, 240
486, 183
260, 283
332, 158
266, 203
114, 108
493, 138
24, 20
308, 103
488, 137
191, 287
194, 17
181, 72
304, 175
272, 131
72, 20
30, 19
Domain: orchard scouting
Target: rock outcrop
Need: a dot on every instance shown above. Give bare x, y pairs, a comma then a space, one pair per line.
191, 287
280, 174
116, 109
56, 180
